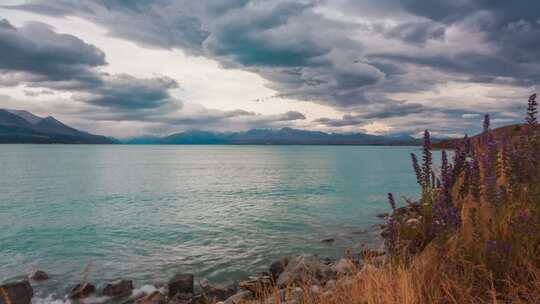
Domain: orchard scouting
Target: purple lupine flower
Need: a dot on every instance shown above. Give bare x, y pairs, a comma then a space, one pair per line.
467, 143
453, 216
491, 246
531, 112
486, 123
460, 160
391, 235
498, 248
485, 131
391, 201
445, 170
427, 159
446, 215
523, 224
417, 169
507, 248
474, 180
464, 189
531, 155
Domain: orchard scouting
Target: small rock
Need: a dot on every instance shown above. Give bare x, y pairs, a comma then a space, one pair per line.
382, 215
328, 240
81, 291
182, 298
39, 275
331, 284
328, 273
154, 298
345, 266
200, 299
239, 297
302, 269
257, 285
326, 261
277, 267
218, 292
16, 293
181, 283
120, 288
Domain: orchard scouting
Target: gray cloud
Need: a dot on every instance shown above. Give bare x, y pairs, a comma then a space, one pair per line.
128, 92
406, 114
36, 49
335, 52
36, 56
417, 32
37, 93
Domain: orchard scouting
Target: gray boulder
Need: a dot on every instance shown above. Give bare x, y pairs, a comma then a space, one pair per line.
39, 275
154, 298
239, 297
277, 268
82, 290
218, 292
304, 269
119, 288
181, 283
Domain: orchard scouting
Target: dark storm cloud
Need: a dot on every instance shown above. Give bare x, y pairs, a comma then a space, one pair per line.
512, 25
256, 36
36, 49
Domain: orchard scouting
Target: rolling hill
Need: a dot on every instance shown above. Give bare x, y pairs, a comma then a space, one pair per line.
512, 132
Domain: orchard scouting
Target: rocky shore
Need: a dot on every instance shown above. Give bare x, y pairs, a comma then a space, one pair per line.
287, 280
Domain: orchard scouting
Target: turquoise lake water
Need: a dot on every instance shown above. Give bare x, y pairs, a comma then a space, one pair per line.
221, 212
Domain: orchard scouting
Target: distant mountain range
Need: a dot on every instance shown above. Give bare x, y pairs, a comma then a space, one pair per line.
285, 136
17, 126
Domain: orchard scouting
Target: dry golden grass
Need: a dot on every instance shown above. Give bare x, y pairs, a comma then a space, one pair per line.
433, 277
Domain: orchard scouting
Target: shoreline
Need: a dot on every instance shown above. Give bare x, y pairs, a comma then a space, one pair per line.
283, 275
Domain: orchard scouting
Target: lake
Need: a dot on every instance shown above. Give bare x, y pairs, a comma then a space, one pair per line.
221, 212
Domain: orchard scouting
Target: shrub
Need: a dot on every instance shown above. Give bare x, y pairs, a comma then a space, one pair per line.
481, 215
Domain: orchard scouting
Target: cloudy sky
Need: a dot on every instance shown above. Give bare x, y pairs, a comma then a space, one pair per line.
132, 67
